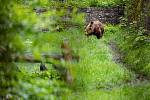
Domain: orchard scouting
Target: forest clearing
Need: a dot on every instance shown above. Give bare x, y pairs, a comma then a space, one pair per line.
46, 55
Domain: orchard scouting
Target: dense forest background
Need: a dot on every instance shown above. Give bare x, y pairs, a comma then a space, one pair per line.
50, 34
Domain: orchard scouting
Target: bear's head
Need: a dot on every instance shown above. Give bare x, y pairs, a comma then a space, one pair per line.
89, 29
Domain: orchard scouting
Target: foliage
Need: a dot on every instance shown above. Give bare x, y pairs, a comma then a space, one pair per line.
75, 3
135, 8
65, 18
34, 84
137, 14
134, 40
10, 43
126, 92
138, 51
96, 75
135, 48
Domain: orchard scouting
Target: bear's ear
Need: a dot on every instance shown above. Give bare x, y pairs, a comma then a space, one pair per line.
91, 22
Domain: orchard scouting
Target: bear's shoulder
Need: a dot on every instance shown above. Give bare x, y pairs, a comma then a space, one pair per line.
98, 23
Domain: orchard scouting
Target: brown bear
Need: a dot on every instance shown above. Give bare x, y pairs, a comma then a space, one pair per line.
95, 28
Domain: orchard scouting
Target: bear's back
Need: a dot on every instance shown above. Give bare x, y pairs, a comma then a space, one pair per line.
98, 23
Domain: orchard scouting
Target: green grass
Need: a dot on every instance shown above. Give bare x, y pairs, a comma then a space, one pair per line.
96, 68
96, 75
127, 92
77, 3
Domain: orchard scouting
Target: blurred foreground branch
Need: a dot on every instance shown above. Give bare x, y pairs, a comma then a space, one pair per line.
31, 58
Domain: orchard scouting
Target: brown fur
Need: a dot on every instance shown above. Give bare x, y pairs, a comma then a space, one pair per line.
95, 28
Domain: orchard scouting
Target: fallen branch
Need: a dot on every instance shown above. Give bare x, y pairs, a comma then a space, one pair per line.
31, 58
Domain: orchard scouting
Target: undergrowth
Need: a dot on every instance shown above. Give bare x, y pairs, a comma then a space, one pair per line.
96, 75
135, 48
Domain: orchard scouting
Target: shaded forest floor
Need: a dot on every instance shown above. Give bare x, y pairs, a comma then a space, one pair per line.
99, 74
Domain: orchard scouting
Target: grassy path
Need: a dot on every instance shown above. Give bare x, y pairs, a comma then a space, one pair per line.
102, 78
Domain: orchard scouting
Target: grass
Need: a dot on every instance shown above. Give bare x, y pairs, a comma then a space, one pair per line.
78, 3
96, 75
